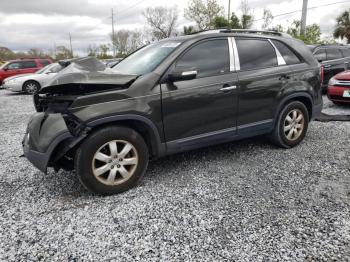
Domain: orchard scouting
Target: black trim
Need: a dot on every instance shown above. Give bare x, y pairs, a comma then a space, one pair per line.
221, 136
158, 147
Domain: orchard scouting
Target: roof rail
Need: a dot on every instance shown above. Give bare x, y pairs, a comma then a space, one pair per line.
251, 31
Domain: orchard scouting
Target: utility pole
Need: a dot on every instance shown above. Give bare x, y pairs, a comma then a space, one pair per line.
70, 43
229, 10
113, 33
303, 18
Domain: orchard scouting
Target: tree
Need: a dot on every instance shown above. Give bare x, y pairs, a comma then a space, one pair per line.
342, 29
6, 54
127, 41
312, 32
222, 22
63, 52
92, 50
247, 15
36, 52
103, 52
267, 18
203, 13
161, 20
188, 30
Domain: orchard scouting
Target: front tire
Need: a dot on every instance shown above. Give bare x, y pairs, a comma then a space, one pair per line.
111, 160
31, 87
291, 125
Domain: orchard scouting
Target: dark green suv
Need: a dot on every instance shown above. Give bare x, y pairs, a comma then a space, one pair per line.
174, 95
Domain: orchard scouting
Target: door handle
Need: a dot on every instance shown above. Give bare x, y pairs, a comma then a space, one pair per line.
346, 63
284, 77
227, 88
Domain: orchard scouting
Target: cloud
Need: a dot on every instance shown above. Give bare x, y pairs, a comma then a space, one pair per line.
45, 23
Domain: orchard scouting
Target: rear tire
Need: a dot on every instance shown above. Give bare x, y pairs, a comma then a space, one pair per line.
31, 87
111, 160
291, 125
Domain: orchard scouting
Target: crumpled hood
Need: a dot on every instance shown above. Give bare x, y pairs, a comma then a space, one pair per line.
86, 75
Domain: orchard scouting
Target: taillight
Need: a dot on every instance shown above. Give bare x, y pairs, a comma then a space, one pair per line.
322, 74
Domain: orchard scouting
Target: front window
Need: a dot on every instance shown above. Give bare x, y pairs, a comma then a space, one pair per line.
146, 59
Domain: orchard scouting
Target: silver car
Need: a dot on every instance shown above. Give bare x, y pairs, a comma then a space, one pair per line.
31, 83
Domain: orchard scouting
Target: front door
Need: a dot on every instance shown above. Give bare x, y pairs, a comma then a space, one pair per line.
202, 110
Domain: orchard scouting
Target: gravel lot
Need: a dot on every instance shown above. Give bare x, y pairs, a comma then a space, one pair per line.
246, 201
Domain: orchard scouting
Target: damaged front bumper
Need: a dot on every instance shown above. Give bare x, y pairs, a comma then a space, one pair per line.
47, 139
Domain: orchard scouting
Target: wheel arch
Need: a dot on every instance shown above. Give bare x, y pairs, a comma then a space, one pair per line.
144, 126
302, 97
30, 80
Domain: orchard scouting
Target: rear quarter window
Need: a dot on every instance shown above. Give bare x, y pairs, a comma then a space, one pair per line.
320, 54
28, 64
255, 54
333, 53
44, 62
289, 56
346, 52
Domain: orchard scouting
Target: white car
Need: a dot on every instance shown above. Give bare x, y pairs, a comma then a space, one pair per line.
31, 83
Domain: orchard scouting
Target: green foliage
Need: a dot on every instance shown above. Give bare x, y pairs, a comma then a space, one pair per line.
222, 22
188, 30
342, 29
203, 13
63, 52
312, 32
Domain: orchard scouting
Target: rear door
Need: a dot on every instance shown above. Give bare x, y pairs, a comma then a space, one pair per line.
201, 110
29, 66
263, 73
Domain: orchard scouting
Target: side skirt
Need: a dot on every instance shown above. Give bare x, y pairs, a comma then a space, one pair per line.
221, 136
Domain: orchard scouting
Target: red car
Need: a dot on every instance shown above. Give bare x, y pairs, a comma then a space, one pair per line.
22, 66
339, 88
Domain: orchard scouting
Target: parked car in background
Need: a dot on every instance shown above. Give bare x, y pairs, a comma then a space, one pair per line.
31, 83
334, 58
22, 66
339, 88
171, 96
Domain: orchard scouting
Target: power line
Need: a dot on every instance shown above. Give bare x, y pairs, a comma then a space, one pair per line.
139, 2
296, 11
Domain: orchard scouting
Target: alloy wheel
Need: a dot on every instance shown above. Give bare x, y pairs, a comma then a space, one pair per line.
294, 124
115, 162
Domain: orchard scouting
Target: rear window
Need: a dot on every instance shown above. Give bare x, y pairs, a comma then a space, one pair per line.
333, 53
28, 64
44, 62
288, 55
255, 54
346, 52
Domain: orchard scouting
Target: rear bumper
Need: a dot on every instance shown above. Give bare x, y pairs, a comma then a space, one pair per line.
335, 93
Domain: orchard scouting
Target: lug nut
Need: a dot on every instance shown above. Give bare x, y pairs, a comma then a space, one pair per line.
118, 166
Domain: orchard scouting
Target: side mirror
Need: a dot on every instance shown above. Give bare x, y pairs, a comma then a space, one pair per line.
181, 74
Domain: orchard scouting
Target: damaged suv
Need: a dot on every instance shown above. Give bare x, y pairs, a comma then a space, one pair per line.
171, 96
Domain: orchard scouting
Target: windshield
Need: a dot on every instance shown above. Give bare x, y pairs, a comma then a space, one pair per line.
146, 59
52, 68
3, 66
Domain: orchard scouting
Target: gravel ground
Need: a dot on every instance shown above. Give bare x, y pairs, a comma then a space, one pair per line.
246, 201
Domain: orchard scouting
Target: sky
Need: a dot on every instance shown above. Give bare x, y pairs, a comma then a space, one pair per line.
43, 24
